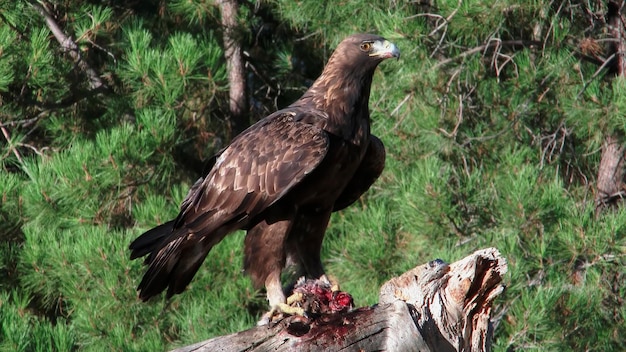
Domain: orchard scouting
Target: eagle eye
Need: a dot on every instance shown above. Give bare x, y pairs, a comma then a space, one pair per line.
366, 46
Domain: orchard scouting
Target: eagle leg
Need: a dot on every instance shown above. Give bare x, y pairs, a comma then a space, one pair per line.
275, 294
264, 260
307, 236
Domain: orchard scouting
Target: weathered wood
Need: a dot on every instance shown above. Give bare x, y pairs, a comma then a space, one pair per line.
433, 307
453, 301
383, 327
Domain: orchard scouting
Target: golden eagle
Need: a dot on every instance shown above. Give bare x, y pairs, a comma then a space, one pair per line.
279, 180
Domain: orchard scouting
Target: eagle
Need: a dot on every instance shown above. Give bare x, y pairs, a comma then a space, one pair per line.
279, 180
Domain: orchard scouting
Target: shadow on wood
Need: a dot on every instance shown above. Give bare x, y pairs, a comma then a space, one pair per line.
433, 307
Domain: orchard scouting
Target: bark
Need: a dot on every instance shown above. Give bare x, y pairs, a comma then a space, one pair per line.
238, 119
616, 26
611, 170
610, 174
433, 307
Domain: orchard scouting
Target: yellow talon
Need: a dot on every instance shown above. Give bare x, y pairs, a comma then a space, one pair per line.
296, 297
287, 309
279, 311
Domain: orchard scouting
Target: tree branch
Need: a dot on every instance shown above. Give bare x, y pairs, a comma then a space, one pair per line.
433, 307
480, 48
68, 45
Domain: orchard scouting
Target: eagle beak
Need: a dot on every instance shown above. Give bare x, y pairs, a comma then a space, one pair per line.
385, 50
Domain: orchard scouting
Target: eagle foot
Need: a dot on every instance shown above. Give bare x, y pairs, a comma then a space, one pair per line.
295, 298
310, 299
281, 310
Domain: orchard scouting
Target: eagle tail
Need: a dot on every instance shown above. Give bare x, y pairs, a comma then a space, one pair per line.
172, 267
148, 242
174, 258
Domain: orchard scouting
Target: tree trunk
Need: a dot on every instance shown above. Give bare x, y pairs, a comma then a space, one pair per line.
433, 307
611, 170
610, 174
238, 120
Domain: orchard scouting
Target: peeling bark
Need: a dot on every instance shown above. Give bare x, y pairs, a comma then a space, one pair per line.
433, 307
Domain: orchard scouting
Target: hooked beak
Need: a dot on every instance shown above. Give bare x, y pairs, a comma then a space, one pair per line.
385, 50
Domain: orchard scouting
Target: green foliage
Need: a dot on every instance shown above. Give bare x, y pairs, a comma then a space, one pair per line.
7, 40
22, 331
196, 12
488, 144
161, 76
91, 22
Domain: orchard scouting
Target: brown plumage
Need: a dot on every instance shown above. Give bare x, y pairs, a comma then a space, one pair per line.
280, 180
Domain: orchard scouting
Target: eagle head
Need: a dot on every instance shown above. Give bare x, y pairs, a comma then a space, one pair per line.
365, 50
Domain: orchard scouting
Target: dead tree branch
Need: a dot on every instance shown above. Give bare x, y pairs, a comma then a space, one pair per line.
433, 307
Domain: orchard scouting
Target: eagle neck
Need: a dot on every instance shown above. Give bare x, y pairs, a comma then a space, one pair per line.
343, 92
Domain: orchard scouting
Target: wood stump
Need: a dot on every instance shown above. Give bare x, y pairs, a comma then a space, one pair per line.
433, 307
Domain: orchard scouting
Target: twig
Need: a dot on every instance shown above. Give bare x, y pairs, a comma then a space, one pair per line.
459, 120
447, 19
469, 140
37, 151
24, 122
507, 59
68, 45
595, 74
395, 111
444, 25
444, 99
97, 46
551, 142
484, 47
17, 154
443, 36
317, 32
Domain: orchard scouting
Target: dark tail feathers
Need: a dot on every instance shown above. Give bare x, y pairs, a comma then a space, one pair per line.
148, 242
173, 260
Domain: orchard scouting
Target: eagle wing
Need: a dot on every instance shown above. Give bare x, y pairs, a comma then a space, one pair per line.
369, 170
258, 168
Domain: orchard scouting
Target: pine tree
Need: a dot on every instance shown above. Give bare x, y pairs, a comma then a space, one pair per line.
93, 119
